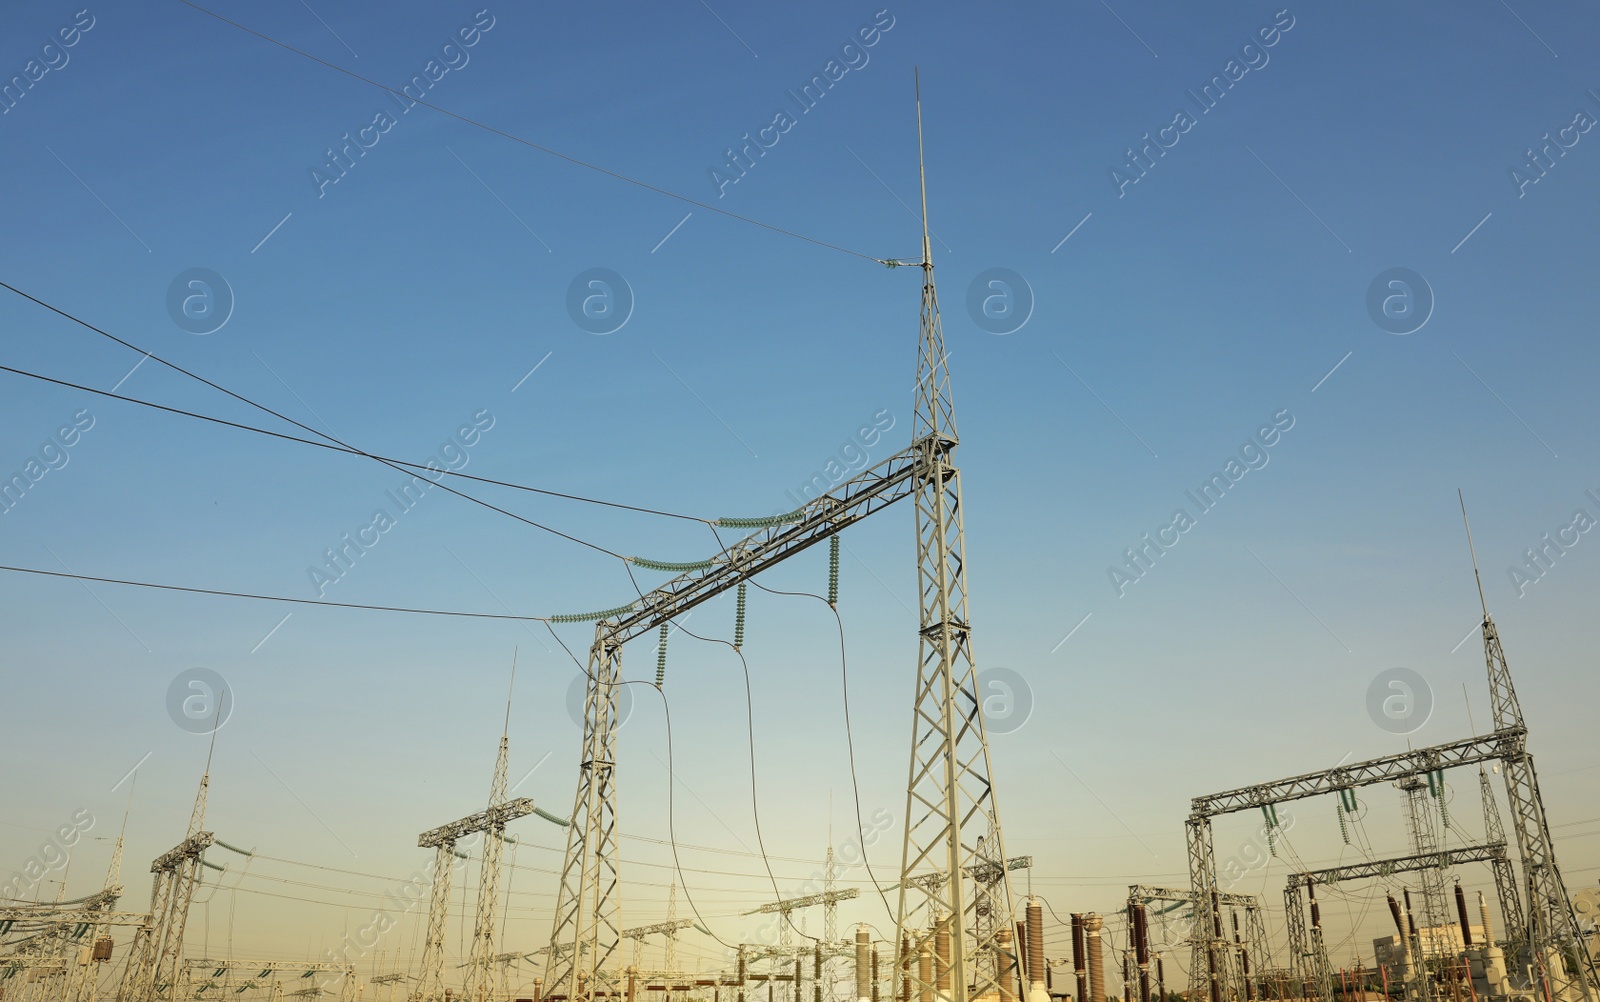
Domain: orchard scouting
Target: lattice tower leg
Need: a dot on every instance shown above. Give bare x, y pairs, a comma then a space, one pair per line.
186, 878
1255, 936
137, 976
1320, 965
1552, 924
430, 985
480, 965
1294, 917
1422, 817
948, 791
1204, 960
586, 930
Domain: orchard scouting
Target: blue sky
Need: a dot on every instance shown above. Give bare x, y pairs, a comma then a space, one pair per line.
428, 287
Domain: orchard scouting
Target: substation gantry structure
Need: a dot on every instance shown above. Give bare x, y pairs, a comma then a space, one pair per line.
1249, 946
40, 946
1548, 928
1308, 952
41, 939
485, 967
668, 931
153, 960
826, 948
949, 797
202, 978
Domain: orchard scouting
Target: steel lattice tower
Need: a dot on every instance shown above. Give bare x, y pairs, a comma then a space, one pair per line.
949, 798
1512, 916
480, 976
153, 960
431, 981
1552, 926
1423, 823
587, 927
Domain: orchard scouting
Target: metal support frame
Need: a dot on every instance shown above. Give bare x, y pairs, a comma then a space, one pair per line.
1255, 934
585, 931
492, 823
948, 791
152, 969
1512, 917
950, 799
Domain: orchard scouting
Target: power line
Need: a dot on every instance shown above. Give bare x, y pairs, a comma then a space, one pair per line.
303, 427
274, 598
347, 450
530, 144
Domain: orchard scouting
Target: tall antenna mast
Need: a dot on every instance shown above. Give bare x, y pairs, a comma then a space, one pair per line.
922, 175
1551, 927
1474, 552
943, 900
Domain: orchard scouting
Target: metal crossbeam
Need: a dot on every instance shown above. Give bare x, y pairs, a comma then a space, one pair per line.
1487, 852
585, 930
494, 817
1145, 893
791, 904
867, 492
1390, 768
640, 932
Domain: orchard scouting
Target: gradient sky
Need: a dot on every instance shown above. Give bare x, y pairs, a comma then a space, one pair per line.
1171, 320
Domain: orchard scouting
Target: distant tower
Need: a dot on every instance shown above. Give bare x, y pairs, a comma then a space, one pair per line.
1552, 926
152, 970
1505, 882
480, 972
1422, 819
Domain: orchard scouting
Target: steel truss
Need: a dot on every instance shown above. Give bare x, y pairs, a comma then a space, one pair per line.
950, 802
1250, 956
1308, 953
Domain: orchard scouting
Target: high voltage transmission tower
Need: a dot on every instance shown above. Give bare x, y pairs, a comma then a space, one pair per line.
949, 797
950, 801
480, 973
1505, 882
152, 969
491, 822
1424, 829
1552, 926
1553, 936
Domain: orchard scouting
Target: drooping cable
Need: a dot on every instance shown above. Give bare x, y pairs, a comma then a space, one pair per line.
302, 426
850, 745
755, 803
273, 598
348, 450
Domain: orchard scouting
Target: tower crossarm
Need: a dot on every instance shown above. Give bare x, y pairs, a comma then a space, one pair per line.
1145, 893
1485, 853
791, 904
188, 849
1498, 745
991, 872
867, 492
494, 817
640, 932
